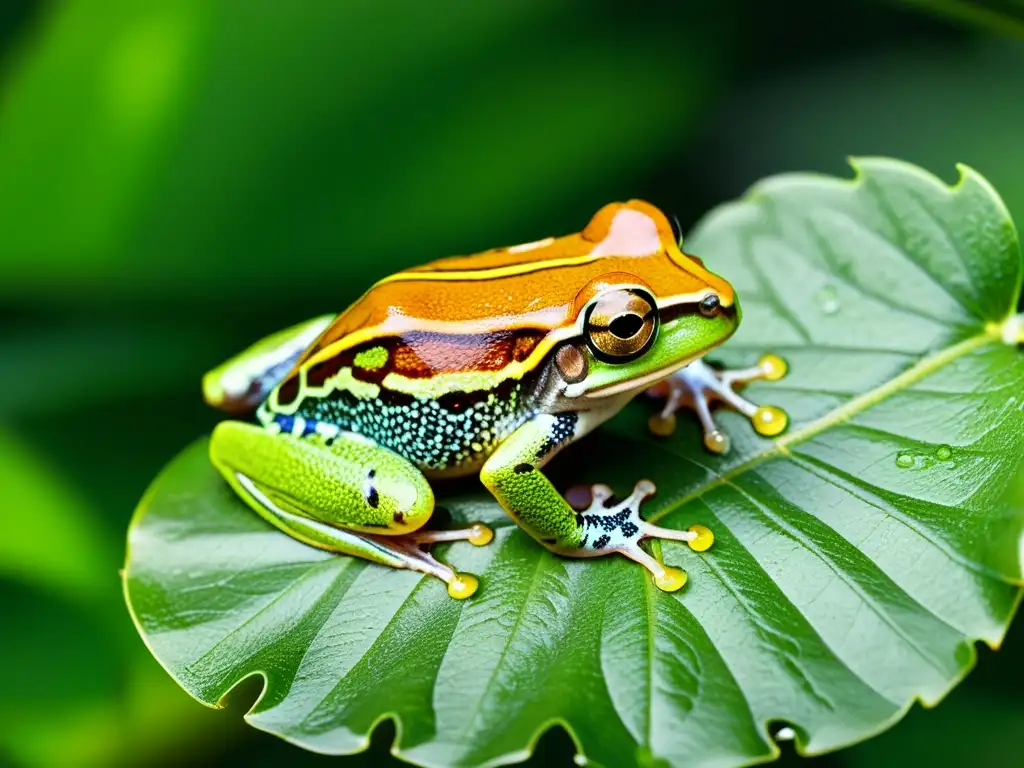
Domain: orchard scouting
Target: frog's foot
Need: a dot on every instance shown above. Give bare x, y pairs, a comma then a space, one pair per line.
610, 526
698, 385
460, 585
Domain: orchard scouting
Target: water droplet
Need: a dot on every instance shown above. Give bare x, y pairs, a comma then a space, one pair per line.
904, 461
828, 300
943, 453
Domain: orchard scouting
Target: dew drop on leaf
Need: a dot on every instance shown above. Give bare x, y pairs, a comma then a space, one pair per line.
904, 461
944, 453
827, 300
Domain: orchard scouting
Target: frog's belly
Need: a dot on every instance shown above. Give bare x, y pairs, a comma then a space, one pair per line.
451, 435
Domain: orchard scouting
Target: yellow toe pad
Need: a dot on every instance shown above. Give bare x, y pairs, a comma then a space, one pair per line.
463, 585
480, 535
671, 580
774, 367
770, 421
705, 538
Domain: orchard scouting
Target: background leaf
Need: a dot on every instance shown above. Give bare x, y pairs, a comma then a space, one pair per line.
858, 558
1006, 16
265, 105
814, 119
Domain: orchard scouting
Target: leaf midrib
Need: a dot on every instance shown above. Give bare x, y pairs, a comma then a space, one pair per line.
923, 368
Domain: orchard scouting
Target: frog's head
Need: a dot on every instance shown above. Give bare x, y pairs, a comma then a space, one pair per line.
637, 325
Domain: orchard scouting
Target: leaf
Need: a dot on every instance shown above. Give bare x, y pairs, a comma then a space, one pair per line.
811, 119
81, 690
857, 560
43, 508
1006, 16
280, 131
108, 364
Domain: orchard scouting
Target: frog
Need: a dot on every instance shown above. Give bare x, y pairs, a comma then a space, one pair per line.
487, 364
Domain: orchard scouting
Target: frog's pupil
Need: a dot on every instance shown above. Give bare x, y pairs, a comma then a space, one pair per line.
626, 326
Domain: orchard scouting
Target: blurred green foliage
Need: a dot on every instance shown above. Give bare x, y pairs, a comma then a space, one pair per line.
178, 178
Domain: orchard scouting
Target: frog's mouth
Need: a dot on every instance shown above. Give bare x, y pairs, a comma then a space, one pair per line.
638, 384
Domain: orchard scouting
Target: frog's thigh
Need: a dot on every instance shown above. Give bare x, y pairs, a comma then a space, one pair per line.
243, 382
350, 483
350, 497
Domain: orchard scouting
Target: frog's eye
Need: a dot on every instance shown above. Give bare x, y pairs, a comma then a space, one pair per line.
709, 305
620, 324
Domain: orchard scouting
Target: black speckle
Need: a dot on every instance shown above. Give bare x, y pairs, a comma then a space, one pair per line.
372, 497
602, 542
585, 540
561, 432
629, 530
608, 522
399, 517
522, 469
373, 474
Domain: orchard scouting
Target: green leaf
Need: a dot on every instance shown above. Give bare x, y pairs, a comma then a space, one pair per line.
106, 364
1006, 16
810, 119
857, 559
51, 537
280, 131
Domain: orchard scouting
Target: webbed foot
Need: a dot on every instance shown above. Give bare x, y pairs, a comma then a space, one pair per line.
698, 385
610, 526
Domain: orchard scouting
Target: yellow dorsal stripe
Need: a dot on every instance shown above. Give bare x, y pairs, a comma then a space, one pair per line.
526, 268
491, 272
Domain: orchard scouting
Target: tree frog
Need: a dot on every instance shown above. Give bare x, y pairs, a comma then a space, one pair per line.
489, 364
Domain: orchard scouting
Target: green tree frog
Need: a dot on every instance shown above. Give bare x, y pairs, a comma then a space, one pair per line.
489, 364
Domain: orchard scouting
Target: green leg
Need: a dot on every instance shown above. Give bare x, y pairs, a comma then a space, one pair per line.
513, 475
349, 497
240, 384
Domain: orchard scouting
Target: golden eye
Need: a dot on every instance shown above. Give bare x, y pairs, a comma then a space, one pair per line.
709, 305
620, 324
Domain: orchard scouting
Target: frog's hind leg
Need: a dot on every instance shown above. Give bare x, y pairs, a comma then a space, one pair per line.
344, 495
240, 384
698, 385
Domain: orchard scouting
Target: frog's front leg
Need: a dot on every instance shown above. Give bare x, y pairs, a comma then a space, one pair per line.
698, 385
344, 495
513, 475
239, 385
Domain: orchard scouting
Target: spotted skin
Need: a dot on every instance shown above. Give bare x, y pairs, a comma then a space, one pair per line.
448, 434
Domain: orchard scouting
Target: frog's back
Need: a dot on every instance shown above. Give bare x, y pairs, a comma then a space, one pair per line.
490, 309
448, 353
